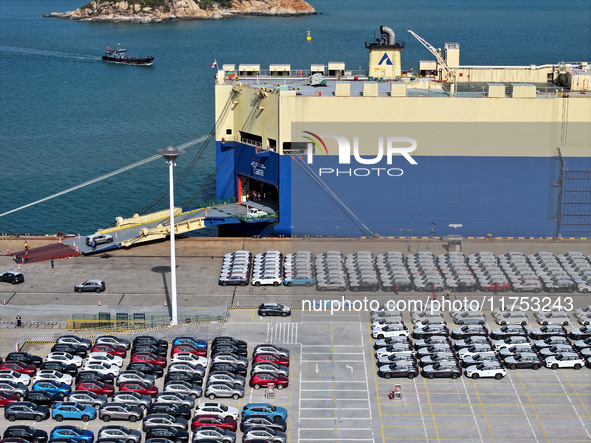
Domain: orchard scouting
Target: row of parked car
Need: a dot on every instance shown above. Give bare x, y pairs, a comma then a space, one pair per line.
432, 350
97, 371
421, 271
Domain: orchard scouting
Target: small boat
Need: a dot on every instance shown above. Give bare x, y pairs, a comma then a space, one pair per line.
119, 55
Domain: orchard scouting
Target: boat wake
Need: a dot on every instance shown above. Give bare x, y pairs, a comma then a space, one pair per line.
46, 53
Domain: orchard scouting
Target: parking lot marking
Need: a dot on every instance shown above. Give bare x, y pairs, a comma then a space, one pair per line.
471, 408
575, 409
532, 405
431, 407
577, 394
484, 413
375, 376
522, 406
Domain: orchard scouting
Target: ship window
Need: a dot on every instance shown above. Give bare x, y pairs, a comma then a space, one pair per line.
272, 144
297, 148
229, 131
251, 139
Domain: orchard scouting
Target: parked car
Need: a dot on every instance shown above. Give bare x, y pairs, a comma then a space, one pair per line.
146, 368
24, 410
214, 420
486, 369
137, 376
524, 360
120, 351
64, 368
74, 340
228, 367
264, 379
264, 434
133, 398
113, 340
164, 434
176, 398
11, 387
72, 410
16, 377
65, 357
215, 408
449, 369
48, 374
264, 409
96, 386
24, 357
27, 433
262, 420
72, 432
565, 360
45, 398
224, 390
52, 386
99, 239
120, 433
183, 387
92, 285
212, 433
13, 277
120, 411
7, 398
227, 377
164, 420
140, 387
177, 410
88, 398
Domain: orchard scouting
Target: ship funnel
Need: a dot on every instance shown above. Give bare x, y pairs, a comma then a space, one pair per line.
384, 55
388, 35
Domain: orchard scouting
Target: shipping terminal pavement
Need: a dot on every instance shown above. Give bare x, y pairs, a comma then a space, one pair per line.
334, 393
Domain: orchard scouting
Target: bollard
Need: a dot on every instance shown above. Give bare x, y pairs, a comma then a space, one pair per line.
4, 301
99, 303
238, 303
14, 257
19, 267
116, 236
165, 304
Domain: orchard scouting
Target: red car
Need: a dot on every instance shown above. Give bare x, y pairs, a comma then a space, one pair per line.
110, 349
214, 420
20, 367
271, 358
190, 349
140, 387
263, 379
6, 398
98, 387
496, 287
147, 357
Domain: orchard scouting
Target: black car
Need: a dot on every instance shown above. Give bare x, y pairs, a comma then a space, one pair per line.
395, 370
13, 277
548, 331
225, 340
177, 410
147, 368
523, 360
25, 357
70, 369
274, 309
235, 369
441, 370
193, 378
95, 376
25, 410
26, 433
509, 330
229, 348
144, 347
80, 350
149, 340
162, 432
262, 420
44, 398
580, 333
468, 331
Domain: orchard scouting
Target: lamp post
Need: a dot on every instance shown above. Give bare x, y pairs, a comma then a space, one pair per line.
170, 154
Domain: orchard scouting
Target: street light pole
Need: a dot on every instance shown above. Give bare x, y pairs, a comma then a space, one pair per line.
170, 154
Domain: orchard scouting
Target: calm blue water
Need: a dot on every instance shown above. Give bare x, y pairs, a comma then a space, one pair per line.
66, 117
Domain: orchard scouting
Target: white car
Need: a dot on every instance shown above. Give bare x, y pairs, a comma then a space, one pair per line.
394, 349
216, 408
585, 319
64, 357
112, 340
255, 213
469, 317
227, 357
552, 318
582, 311
17, 377
136, 376
48, 374
565, 360
105, 357
102, 368
392, 331
510, 341
274, 280
388, 319
187, 357
511, 318
474, 349
486, 369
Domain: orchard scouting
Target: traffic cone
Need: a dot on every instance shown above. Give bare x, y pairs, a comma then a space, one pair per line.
7, 251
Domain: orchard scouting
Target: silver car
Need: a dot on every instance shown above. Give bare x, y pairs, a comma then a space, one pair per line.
270, 367
113, 340
120, 411
99, 239
133, 398
92, 285
225, 390
226, 377
166, 420
175, 397
120, 433
469, 318
88, 398
132, 375
263, 433
183, 387
228, 357
213, 433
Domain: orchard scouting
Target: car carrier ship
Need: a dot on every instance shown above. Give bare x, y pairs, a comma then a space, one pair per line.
448, 149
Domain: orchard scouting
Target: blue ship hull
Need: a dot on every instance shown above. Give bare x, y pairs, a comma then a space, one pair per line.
477, 196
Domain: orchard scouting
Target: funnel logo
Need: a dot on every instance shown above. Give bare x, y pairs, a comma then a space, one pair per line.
385, 59
391, 145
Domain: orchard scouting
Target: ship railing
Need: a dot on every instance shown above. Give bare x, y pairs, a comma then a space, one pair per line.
135, 321
254, 143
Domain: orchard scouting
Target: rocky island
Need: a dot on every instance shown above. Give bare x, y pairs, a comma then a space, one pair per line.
161, 11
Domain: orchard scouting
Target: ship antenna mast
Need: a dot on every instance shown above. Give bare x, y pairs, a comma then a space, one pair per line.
451, 74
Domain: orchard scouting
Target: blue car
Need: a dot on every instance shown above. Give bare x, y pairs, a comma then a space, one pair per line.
73, 432
189, 341
298, 281
267, 409
52, 386
73, 410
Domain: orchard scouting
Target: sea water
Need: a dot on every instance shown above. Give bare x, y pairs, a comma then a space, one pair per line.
66, 117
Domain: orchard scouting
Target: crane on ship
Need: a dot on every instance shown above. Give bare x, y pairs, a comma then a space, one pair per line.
451, 74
